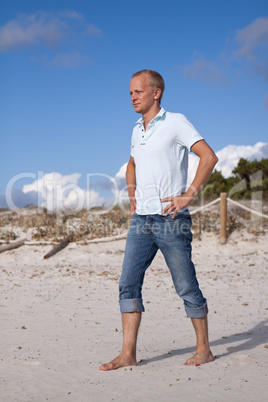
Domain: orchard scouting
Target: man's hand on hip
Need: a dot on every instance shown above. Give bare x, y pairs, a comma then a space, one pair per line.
176, 203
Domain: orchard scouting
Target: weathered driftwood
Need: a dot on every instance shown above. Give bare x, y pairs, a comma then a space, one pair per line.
58, 247
11, 246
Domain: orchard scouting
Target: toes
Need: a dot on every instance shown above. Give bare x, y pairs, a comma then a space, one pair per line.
189, 363
117, 363
196, 360
107, 367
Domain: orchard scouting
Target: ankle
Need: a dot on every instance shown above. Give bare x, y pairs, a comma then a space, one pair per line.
129, 352
203, 350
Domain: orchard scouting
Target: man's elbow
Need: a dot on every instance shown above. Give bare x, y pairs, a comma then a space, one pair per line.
212, 159
215, 159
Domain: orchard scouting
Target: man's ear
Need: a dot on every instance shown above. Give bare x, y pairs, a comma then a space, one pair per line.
157, 93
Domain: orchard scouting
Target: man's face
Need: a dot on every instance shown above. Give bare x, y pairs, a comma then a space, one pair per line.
143, 96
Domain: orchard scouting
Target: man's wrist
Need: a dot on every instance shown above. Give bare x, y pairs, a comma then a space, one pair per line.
131, 193
191, 193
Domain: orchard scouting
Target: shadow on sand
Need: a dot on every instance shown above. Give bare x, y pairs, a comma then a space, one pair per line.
258, 335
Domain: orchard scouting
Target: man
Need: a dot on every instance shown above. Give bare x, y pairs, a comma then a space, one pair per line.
156, 178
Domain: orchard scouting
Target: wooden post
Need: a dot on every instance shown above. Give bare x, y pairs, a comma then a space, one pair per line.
223, 237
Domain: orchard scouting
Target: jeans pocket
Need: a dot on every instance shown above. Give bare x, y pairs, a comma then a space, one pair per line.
169, 218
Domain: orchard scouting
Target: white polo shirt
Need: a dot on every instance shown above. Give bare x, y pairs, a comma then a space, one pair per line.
161, 158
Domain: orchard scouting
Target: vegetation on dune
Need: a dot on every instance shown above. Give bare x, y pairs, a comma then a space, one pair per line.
248, 177
78, 226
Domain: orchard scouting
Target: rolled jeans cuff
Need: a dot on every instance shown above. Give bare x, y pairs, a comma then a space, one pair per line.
131, 306
197, 312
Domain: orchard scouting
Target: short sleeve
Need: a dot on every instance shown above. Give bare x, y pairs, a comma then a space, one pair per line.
185, 133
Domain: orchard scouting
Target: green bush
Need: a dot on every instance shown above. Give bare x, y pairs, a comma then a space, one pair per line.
247, 177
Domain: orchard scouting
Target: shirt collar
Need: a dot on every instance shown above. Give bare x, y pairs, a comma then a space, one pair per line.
159, 116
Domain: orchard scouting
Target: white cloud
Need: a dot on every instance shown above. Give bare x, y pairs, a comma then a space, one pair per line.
204, 70
93, 30
121, 191
56, 32
74, 15
230, 155
253, 37
249, 48
253, 43
31, 29
61, 192
122, 172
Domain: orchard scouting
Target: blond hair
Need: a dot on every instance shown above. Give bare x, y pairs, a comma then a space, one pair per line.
155, 80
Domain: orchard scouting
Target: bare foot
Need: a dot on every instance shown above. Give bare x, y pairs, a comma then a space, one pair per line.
119, 361
200, 358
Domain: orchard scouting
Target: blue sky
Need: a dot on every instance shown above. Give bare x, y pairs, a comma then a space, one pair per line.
66, 65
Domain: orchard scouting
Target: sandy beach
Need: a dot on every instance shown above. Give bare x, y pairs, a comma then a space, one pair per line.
60, 320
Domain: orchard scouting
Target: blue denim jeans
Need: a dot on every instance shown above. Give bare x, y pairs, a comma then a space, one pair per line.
147, 234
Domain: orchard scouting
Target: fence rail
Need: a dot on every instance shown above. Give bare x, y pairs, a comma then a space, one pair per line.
223, 200
246, 208
195, 211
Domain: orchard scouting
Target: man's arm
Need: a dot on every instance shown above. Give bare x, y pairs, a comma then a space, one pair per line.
207, 161
131, 183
